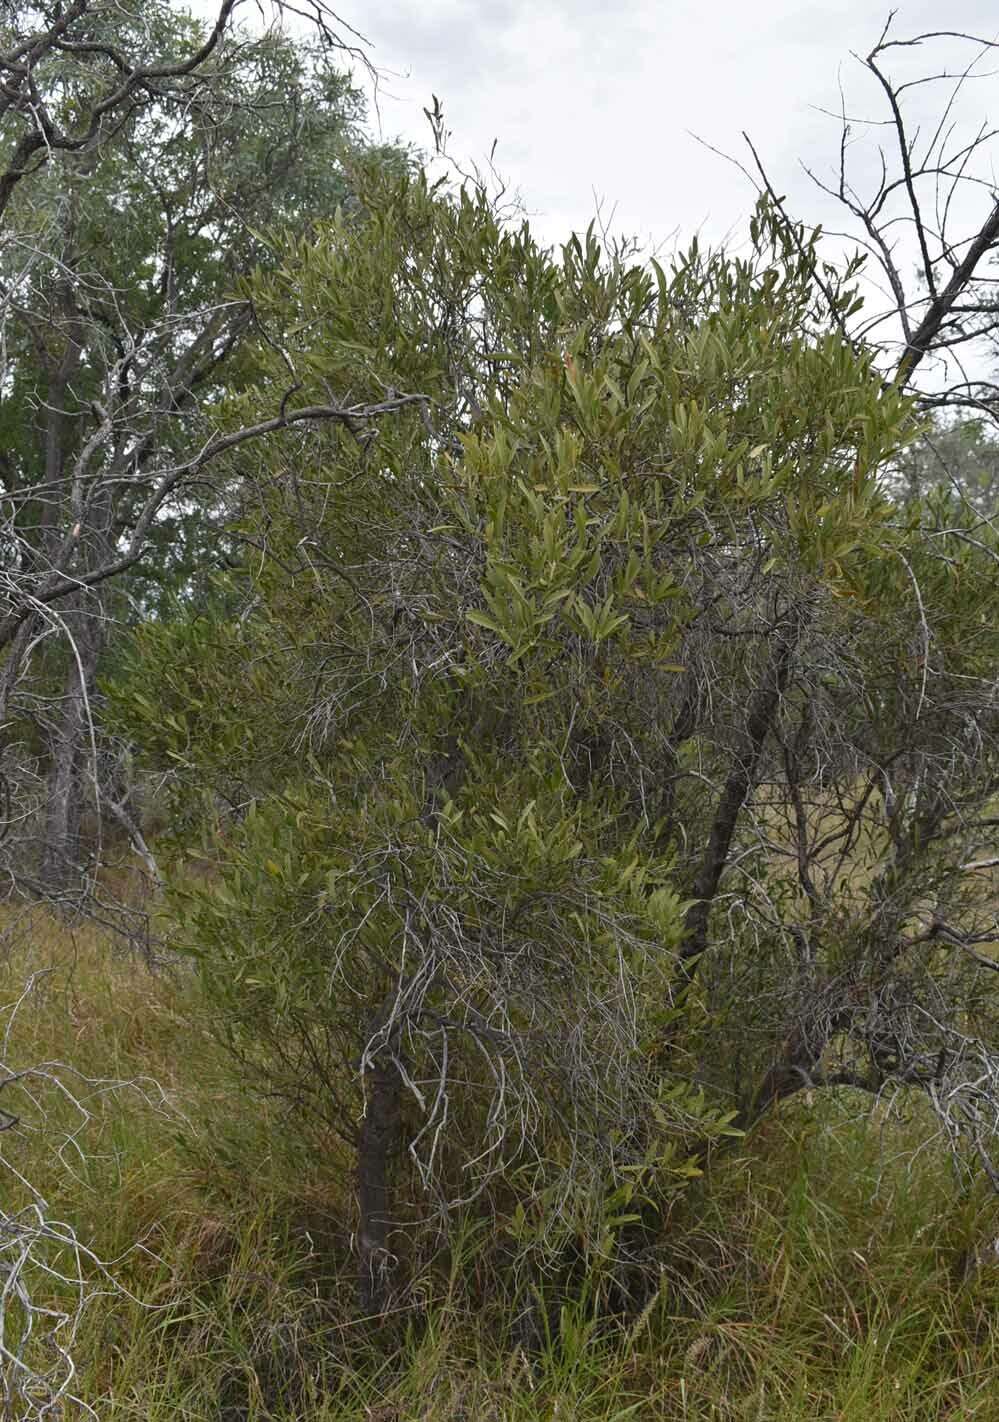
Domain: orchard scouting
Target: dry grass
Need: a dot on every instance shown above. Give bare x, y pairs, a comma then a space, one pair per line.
825, 1274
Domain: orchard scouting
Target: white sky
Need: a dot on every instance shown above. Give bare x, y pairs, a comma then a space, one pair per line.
585, 97
593, 103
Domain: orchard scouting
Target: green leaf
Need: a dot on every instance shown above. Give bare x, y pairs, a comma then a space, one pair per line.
482, 619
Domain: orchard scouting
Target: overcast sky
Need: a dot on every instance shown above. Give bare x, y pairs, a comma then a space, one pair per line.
589, 98
597, 103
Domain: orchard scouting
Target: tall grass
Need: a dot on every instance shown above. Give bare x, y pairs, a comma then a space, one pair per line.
828, 1271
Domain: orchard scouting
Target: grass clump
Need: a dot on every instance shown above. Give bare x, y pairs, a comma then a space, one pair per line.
834, 1268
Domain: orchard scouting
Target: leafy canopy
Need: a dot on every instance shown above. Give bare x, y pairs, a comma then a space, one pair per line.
482, 729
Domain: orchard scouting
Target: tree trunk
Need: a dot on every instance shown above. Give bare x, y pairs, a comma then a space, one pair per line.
377, 1146
762, 712
60, 867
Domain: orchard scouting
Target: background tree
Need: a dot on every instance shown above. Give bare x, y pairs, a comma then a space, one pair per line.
142, 157
963, 457
151, 193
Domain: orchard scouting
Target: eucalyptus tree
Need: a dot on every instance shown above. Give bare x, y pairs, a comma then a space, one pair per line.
147, 159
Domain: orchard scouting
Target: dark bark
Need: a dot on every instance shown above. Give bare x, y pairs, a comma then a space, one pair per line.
635, 1239
378, 1145
684, 726
922, 339
763, 709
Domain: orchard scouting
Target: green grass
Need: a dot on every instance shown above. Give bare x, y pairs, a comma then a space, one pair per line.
818, 1274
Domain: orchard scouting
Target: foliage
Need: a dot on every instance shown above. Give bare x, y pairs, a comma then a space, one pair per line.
962, 457
118, 260
571, 688
594, 730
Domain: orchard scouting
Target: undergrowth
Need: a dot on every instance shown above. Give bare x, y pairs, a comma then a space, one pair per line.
831, 1269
